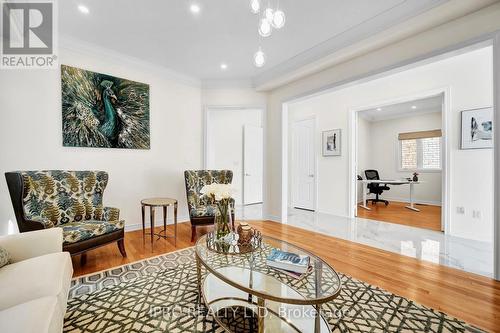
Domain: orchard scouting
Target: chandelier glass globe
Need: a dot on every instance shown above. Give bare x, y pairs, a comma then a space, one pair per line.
265, 28
278, 19
259, 58
255, 6
269, 14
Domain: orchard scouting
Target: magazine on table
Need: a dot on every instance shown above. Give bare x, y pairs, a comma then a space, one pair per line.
295, 275
288, 261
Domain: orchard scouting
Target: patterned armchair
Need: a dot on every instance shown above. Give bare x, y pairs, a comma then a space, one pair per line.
201, 211
71, 200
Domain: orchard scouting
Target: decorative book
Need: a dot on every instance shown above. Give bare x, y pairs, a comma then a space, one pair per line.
288, 261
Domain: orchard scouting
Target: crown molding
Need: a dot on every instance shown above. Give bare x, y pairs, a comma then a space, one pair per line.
339, 50
78, 46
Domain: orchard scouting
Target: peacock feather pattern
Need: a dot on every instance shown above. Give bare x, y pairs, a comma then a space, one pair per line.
103, 111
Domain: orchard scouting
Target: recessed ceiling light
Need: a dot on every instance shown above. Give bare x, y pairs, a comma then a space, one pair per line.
194, 8
83, 9
223, 66
413, 107
379, 109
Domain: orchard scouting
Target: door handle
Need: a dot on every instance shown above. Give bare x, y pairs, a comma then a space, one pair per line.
312, 176
247, 175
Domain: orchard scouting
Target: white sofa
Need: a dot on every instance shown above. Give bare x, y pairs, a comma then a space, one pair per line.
34, 287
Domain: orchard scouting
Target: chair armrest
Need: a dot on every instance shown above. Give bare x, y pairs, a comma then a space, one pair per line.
45, 222
33, 244
111, 214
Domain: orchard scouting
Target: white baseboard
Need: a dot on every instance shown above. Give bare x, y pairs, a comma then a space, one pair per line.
273, 218
424, 202
158, 223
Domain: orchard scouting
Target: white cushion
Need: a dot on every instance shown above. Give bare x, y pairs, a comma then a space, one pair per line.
47, 275
37, 316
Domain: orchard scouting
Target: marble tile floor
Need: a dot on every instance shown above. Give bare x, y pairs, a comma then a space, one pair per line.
464, 254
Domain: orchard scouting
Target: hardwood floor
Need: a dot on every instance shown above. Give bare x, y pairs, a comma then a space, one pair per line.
467, 296
429, 216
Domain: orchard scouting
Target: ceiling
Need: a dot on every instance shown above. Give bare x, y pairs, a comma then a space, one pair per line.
166, 33
406, 109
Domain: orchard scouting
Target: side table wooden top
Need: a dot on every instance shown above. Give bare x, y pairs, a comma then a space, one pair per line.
159, 202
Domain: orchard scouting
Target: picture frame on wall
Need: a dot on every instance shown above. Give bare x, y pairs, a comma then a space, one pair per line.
103, 111
332, 142
477, 129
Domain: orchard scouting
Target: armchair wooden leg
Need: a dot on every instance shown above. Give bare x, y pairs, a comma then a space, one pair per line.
121, 247
193, 233
83, 259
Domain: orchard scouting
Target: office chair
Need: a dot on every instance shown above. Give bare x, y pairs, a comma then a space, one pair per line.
375, 188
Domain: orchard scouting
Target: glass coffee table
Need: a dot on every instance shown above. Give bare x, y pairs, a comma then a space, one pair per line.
245, 295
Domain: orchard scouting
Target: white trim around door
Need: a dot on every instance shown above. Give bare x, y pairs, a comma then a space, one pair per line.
496, 163
445, 156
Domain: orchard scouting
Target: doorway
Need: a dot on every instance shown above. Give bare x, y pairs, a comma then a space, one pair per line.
234, 141
401, 167
303, 164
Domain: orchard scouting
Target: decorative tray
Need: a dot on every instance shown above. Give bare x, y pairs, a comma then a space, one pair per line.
231, 244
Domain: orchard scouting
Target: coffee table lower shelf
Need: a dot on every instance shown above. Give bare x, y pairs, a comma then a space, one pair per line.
237, 311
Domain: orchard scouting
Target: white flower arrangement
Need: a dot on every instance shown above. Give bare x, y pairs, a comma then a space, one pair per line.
217, 192
220, 195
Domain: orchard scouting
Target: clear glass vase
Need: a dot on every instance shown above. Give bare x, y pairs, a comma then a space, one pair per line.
223, 221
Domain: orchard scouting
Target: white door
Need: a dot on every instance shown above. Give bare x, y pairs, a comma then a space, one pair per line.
253, 155
303, 164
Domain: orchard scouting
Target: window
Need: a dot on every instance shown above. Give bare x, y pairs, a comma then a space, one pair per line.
420, 150
431, 153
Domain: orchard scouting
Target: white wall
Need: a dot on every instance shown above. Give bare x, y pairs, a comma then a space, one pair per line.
469, 79
382, 154
31, 139
233, 97
225, 142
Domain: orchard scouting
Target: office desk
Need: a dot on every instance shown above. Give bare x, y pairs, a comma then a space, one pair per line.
365, 182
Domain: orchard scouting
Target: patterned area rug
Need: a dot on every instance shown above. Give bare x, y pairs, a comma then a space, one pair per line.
160, 295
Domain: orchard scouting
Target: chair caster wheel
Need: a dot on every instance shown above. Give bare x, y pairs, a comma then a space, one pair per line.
386, 203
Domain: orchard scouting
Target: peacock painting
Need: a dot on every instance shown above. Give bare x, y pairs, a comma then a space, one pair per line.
103, 111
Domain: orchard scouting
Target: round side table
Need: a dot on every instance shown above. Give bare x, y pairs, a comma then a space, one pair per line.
153, 203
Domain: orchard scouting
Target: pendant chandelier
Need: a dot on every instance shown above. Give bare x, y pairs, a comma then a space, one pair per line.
270, 19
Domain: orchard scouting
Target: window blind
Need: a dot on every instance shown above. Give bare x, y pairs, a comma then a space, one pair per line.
420, 135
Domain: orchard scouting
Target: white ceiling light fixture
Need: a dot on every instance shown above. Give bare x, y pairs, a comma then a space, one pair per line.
223, 66
255, 6
194, 8
265, 28
413, 107
83, 9
259, 58
379, 109
279, 19
271, 18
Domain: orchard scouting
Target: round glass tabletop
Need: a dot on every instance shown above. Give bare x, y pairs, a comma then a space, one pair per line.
250, 273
